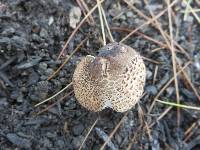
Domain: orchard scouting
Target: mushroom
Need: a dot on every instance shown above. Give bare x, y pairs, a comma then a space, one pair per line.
114, 79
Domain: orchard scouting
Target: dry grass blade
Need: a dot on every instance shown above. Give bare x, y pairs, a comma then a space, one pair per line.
161, 116
113, 132
101, 21
136, 10
187, 10
191, 85
67, 59
107, 26
148, 22
92, 127
174, 62
46, 100
193, 12
137, 132
155, 74
133, 139
75, 30
171, 46
157, 49
151, 60
85, 9
140, 34
154, 40
156, 25
190, 131
50, 106
178, 105
165, 86
148, 131
178, 46
164, 35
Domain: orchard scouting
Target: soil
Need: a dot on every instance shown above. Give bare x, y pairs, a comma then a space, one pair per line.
32, 34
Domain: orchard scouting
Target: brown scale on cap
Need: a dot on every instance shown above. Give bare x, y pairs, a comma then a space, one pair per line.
115, 79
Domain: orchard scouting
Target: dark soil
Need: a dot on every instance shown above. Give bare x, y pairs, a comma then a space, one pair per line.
32, 33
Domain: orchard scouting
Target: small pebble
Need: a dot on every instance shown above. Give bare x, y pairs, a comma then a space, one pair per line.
118, 138
151, 89
42, 67
61, 144
3, 102
51, 20
105, 137
78, 129
20, 98
46, 143
188, 94
49, 72
129, 14
70, 104
149, 74
33, 78
14, 94
18, 141
77, 141
51, 134
34, 60
163, 81
74, 16
170, 91
44, 33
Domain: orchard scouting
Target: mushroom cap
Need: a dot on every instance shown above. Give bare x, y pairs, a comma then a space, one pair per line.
115, 79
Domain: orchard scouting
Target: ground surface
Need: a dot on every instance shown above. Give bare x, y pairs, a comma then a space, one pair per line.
32, 33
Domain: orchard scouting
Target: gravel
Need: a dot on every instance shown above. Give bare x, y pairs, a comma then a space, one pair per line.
32, 33
19, 141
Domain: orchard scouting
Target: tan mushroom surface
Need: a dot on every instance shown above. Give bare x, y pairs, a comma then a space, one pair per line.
115, 79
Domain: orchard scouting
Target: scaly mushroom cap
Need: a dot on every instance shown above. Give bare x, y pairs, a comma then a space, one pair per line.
115, 79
